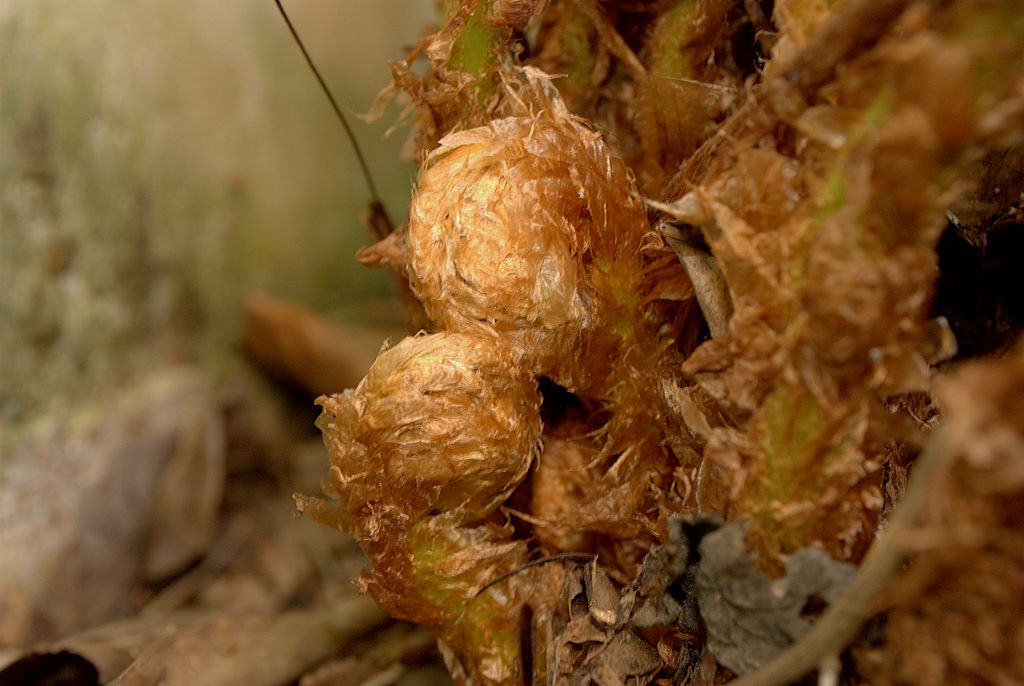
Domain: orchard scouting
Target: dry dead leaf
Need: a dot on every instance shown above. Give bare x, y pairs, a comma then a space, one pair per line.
76, 499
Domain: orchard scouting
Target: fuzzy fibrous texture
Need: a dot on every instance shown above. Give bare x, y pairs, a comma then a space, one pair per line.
518, 227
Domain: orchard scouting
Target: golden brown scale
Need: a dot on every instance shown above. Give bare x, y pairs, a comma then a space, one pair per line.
447, 414
423, 452
527, 226
529, 248
820, 196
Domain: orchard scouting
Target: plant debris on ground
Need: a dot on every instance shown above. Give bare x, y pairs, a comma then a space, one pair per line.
712, 376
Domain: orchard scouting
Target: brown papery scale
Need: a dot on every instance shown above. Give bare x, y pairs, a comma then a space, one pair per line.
530, 227
514, 14
578, 505
422, 453
444, 422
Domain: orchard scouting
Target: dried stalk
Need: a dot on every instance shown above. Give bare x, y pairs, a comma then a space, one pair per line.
709, 286
842, 621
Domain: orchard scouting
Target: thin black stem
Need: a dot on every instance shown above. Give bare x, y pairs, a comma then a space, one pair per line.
567, 557
374, 195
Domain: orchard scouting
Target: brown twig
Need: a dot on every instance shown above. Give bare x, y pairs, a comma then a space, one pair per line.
225, 551
614, 42
257, 650
709, 286
387, 652
842, 621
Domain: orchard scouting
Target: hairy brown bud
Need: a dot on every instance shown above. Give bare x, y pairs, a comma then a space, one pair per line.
443, 422
528, 226
423, 452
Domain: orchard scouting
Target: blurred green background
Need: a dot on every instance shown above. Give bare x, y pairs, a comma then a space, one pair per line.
159, 161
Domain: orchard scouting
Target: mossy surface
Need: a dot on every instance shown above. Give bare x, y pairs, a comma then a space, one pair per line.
158, 162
